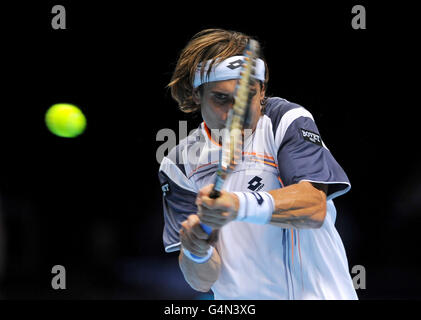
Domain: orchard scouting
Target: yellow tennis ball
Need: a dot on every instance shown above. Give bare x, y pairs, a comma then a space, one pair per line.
65, 120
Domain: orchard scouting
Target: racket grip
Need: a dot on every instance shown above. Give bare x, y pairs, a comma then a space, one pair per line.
213, 195
206, 228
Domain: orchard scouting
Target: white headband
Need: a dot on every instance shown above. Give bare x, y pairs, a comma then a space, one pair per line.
226, 70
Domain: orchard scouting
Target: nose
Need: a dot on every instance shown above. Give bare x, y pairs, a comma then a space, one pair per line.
227, 110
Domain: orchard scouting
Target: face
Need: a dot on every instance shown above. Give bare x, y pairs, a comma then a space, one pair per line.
217, 98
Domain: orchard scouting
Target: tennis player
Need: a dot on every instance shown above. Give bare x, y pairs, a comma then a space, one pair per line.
274, 233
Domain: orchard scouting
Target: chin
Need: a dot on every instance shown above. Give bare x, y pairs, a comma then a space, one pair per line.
219, 126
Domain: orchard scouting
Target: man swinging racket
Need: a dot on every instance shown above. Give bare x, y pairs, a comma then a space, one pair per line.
253, 220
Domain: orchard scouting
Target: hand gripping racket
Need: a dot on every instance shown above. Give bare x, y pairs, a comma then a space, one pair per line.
238, 116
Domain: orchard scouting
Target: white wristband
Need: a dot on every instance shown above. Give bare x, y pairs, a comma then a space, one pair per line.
255, 207
198, 259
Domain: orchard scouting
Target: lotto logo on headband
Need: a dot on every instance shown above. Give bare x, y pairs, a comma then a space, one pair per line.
235, 64
227, 69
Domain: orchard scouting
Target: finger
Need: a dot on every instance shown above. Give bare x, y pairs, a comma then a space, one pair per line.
214, 224
196, 229
213, 238
218, 203
202, 192
195, 243
205, 191
185, 238
185, 225
192, 220
209, 213
216, 217
199, 211
199, 232
191, 245
226, 214
190, 227
212, 217
185, 242
199, 253
207, 202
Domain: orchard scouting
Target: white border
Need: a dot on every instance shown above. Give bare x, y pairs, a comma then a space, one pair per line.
288, 118
337, 193
170, 248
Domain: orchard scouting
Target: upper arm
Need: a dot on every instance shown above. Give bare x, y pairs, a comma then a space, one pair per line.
303, 156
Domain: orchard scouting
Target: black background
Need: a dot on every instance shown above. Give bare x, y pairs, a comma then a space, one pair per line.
93, 203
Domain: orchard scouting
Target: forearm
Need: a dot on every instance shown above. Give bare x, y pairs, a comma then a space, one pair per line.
200, 276
299, 206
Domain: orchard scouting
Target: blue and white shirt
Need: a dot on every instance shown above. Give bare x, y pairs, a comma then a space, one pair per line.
264, 261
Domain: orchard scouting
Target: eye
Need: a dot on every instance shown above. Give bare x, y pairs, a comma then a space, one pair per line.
222, 99
221, 96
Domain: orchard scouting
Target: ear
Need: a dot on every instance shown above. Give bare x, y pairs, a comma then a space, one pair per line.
196, 95
262, 92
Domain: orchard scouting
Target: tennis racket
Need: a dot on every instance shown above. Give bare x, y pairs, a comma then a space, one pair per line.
238, 116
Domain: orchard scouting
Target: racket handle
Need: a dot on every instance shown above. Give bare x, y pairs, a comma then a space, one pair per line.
213, 195
206, 228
